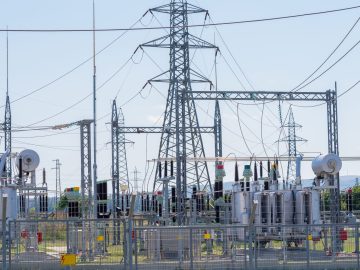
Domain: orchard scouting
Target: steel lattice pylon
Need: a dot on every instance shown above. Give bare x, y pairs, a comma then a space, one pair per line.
180, 109
86, 187
123, 168
292, 140
119, 165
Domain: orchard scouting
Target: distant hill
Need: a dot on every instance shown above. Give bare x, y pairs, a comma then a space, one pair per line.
346, 181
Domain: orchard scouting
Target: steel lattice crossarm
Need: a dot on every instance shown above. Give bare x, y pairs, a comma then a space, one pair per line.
261, 95
161, 130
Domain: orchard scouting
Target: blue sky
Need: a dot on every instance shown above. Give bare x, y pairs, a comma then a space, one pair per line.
274, 55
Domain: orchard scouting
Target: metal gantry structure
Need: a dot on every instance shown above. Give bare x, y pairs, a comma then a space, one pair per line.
292, 139
329, 97
180, 109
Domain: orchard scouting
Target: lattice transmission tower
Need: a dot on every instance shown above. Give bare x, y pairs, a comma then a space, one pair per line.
292, 140
180, 113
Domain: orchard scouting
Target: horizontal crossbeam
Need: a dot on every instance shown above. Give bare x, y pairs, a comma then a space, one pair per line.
161, 129
260, 95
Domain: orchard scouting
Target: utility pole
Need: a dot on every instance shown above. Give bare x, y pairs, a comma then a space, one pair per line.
180, 109
57, 184
94, 116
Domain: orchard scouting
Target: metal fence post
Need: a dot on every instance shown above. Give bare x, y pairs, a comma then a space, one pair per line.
246, 249
251, 259
67, 237
307, 248
4, 248
136, 248
357, 246
9, 237
130, 249
191, 249
125, 252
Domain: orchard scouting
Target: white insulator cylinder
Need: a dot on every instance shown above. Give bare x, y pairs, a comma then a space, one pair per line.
30, 160
329, 164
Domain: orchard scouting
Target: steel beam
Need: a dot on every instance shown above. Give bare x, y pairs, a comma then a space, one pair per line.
160, 130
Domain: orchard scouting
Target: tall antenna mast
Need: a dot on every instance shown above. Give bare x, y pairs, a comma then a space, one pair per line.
94, 114
7, 123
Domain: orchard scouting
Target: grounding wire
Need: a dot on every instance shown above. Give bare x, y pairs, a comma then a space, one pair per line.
327, 58
190, 26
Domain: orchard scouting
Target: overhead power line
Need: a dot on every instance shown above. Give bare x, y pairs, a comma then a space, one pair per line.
327, 58
190, 26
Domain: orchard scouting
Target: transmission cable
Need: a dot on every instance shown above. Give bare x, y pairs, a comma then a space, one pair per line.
346, 91
326, 70
327, 58
75, 68
189, 26
331, 54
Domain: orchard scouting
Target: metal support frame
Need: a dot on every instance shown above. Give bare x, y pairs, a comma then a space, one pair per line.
180, 109
86, 186
329, 97
160, 130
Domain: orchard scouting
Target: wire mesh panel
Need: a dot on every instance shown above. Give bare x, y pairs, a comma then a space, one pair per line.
42, 244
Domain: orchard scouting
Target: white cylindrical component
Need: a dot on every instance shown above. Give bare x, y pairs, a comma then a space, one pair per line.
11, 204
30, 160
240, 205
315, 207
329, 164
235, 203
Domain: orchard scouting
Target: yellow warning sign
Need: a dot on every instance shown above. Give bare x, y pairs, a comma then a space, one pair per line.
310, 237
207, 236
100, 238
68, 259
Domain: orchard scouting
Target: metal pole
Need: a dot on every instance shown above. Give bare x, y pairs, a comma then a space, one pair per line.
94, 116
357, 246
307, 248
9, 235
4, 245
67, 237
130, 244
191, 250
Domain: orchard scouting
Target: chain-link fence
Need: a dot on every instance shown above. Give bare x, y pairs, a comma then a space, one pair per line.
115, 244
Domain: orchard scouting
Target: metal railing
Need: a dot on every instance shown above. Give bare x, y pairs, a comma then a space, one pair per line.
115, 244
